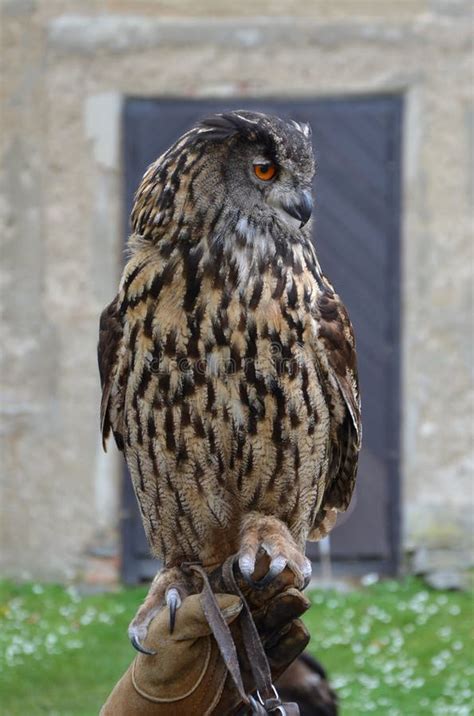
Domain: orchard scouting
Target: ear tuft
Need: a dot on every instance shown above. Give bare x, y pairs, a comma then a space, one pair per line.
227, 124
219, 126
306, 129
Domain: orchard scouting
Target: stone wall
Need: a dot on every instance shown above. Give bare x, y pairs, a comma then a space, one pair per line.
66, 67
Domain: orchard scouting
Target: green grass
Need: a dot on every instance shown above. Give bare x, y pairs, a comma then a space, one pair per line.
396, 649
392, 649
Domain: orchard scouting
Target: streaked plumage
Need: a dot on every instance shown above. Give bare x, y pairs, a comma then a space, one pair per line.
227, 360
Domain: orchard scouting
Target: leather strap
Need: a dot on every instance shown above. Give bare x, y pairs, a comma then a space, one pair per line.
221, 631
253, 645
267, 700
267, 694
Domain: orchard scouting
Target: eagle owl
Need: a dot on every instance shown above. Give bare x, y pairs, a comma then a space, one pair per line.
227, 360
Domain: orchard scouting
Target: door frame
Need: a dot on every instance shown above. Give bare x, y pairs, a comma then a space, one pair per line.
135, 569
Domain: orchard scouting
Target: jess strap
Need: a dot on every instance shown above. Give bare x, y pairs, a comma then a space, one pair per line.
266, 699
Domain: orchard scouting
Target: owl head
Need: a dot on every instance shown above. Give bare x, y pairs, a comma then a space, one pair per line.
231, 167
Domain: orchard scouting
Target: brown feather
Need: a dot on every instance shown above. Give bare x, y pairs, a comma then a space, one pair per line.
110, 335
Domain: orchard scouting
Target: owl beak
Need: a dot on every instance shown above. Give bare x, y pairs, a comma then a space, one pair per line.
301, 207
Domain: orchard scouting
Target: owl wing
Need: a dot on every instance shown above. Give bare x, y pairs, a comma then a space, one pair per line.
336, 338
108, 352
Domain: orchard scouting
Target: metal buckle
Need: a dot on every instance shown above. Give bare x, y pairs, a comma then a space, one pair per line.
278, 709
276, 695
255, 706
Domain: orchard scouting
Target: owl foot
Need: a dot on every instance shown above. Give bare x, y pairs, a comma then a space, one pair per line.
261, 533
167, 589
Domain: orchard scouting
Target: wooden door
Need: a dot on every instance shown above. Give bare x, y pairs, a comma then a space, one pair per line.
357, 234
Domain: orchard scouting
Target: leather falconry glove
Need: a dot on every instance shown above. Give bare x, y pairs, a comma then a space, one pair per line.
194, 674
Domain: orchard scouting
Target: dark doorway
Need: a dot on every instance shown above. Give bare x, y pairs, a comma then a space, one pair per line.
357, 233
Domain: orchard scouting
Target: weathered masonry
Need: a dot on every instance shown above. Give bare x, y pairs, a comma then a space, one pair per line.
388, 90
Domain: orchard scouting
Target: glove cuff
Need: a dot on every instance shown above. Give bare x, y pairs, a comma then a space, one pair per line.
137, 695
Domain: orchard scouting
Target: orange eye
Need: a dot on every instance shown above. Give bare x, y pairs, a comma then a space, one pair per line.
265, 171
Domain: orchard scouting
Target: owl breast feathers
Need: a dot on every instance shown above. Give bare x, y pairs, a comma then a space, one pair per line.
227, 361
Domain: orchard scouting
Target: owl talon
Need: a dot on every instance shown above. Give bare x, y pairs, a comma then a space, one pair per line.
265, 534
167, 589
277, 565
135, 642
247, 567
173, 601
307, 579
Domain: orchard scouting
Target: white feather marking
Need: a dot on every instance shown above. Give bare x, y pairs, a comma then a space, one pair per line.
236, 411
243, 260
264, 246
212, 362
306, 129
246, 119
245, 230
302, 127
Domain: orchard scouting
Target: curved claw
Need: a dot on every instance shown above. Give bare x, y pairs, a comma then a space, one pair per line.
247, 566
307, 580
307, 574
173, 601
277, 565
136, 645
